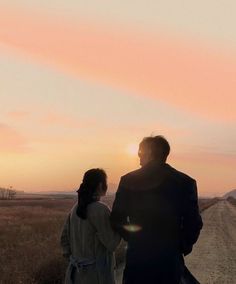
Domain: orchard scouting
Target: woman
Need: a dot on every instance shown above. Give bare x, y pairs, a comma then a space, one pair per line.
87, 239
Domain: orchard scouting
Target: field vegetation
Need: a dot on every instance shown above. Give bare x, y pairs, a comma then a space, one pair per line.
30, 229
232, 200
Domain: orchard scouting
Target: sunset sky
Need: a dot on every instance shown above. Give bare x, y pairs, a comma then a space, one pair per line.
82, 82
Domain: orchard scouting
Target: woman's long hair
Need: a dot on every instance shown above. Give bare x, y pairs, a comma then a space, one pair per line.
87, 191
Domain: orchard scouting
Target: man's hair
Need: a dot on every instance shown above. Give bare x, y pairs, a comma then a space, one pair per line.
158, 145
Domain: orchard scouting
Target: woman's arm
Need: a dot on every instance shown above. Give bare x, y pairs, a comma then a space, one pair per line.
100, 218
65, 238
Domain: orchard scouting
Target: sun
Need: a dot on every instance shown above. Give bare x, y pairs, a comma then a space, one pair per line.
132, 149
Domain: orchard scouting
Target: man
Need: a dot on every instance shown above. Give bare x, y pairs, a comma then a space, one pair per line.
156, 212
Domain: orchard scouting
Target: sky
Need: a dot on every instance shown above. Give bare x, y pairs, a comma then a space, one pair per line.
82, 82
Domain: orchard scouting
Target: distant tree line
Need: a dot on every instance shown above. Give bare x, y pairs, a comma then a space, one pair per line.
7, 193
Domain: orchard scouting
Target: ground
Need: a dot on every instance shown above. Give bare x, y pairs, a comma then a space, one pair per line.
213, 259
30, 229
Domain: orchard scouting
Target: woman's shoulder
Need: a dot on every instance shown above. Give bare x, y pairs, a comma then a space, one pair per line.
98, 207
74, 208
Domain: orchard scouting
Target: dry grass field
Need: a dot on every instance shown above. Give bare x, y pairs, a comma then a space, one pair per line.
232, 200
29, 240
30, 231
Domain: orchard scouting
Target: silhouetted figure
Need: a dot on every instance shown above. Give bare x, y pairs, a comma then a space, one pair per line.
156, 212
87, 239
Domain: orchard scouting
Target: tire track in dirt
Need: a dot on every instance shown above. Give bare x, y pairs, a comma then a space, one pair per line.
213, 260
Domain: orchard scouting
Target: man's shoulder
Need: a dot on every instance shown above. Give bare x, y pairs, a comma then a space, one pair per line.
131, 176
133, 173
181, 176
136, 174
142, 179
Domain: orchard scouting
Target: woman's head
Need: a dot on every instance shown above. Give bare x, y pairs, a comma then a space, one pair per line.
93, 186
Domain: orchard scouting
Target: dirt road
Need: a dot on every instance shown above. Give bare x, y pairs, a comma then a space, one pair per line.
213, 260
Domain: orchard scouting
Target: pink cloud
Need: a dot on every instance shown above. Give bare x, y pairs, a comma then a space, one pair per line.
11, 140
18, 114
144, 129
59, 119
214, 172
194, 78
219, 159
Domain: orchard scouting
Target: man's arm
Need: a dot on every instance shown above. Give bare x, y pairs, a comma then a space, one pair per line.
119, 214
192, 221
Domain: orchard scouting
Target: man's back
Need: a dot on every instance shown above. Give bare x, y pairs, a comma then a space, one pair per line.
156, 211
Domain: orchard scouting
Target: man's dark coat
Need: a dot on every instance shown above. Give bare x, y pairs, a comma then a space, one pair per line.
156, 212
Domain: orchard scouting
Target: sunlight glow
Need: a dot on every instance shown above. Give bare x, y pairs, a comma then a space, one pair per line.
132, 149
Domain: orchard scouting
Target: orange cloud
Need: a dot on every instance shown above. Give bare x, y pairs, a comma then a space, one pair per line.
195, 78
11, 140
